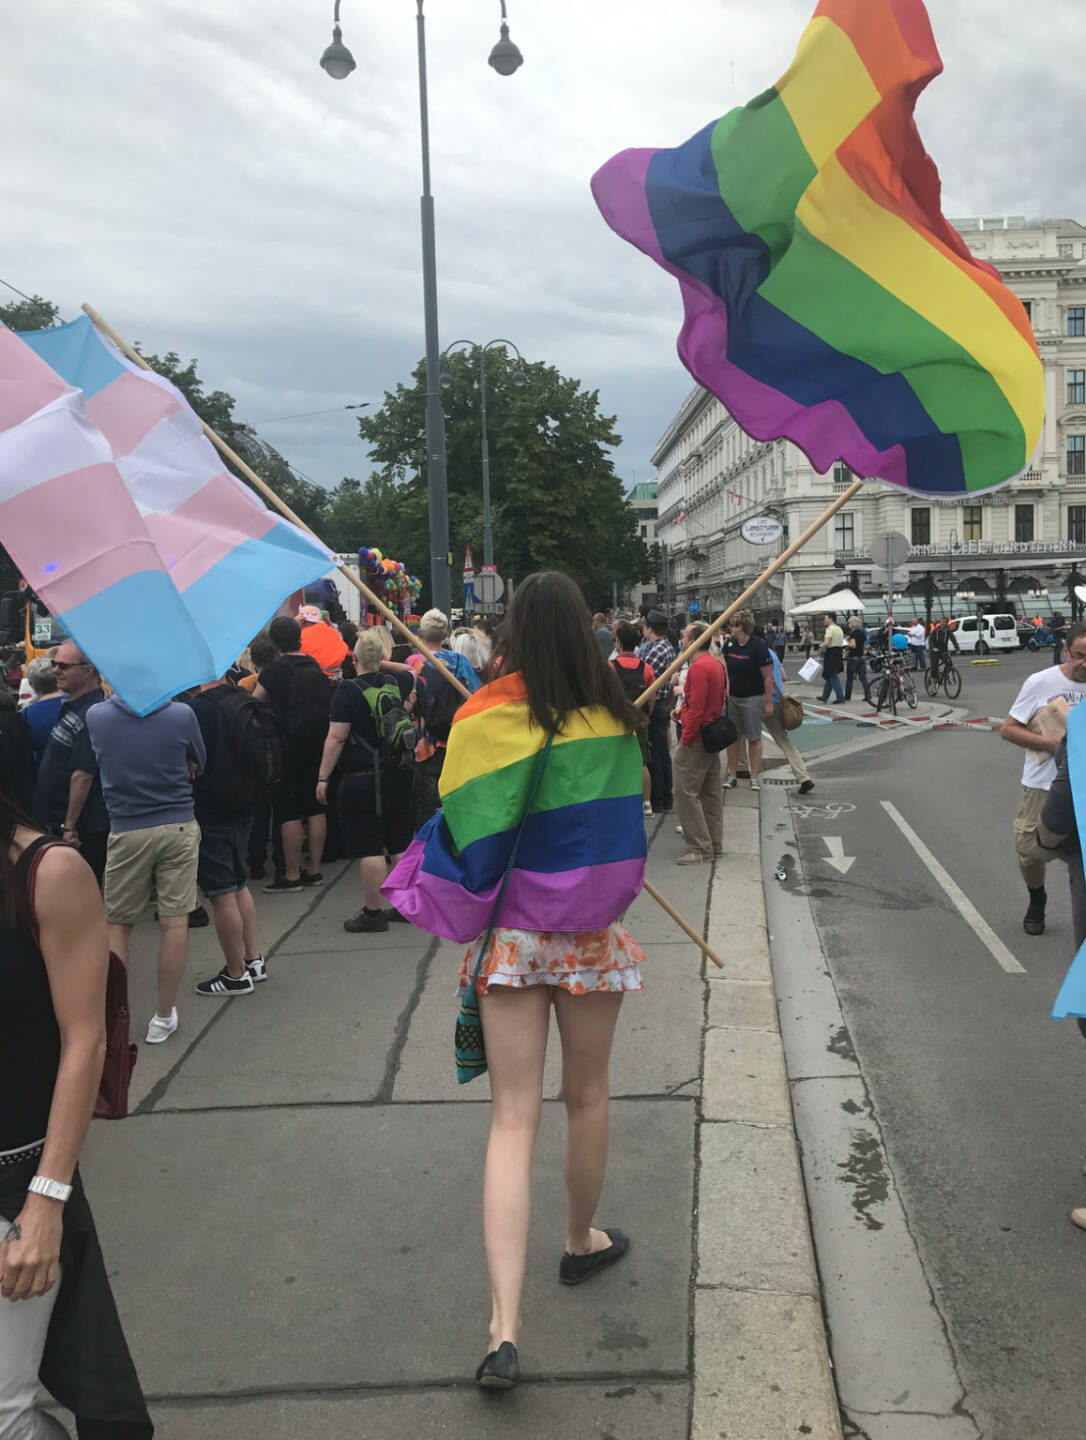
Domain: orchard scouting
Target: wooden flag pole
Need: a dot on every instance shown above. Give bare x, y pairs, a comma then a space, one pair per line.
284, 509
379, 605
750, 591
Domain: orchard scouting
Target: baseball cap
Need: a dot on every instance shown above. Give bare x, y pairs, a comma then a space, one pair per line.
309, 615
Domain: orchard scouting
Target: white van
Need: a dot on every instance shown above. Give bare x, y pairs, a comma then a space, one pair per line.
991, 632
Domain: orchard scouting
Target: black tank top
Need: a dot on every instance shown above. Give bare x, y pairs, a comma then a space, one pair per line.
29, 1037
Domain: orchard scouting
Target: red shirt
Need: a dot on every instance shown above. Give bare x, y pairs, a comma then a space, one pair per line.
703, 696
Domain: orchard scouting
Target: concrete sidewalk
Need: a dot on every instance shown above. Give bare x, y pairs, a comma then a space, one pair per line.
292, 1216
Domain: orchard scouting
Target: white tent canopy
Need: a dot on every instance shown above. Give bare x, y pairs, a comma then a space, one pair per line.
836, 601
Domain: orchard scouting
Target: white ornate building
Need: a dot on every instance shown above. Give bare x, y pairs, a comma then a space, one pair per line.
998, 550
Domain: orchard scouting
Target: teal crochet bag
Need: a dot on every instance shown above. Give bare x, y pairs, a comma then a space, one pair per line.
468, 1040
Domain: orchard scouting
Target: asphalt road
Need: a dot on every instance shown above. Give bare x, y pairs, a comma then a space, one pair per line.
979, 1094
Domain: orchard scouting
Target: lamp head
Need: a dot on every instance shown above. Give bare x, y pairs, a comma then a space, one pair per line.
519, 378
337, 60
505, 58
446, 380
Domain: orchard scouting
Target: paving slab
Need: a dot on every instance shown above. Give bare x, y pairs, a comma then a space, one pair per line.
896, 1426
320, 1030
752, 1214
632, 1411
769, 1377
276, 917
744, 1078
342, 1245
741, 1004
670, 1005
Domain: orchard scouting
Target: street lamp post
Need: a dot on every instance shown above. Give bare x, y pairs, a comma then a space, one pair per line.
338, 62
520, 379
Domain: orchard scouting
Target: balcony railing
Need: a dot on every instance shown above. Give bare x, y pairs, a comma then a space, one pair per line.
975, 547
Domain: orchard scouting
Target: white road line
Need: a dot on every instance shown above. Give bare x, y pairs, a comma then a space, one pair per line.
958, 898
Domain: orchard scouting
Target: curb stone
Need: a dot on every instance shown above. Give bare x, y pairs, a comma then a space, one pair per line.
761, 1362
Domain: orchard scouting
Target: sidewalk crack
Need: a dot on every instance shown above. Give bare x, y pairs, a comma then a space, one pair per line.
403, 1025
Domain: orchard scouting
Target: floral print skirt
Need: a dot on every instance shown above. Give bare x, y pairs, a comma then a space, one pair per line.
582, 962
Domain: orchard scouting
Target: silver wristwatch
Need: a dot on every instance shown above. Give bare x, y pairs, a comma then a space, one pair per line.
51, 1189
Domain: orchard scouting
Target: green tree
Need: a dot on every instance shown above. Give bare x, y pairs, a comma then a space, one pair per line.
556, 501
33, 313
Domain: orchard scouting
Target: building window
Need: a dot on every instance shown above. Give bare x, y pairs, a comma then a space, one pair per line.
1076, 454
842, 475
1067, 252
921, 523
1076, 523
1027, 306
1076, 319
972, 522
644, 531
843, 531
1076, 387
1023, 522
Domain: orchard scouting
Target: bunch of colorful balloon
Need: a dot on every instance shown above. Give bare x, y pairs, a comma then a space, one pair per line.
389, 581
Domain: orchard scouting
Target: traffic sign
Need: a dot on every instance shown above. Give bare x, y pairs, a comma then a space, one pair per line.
890, 550
489, 587
469, 566
694, 607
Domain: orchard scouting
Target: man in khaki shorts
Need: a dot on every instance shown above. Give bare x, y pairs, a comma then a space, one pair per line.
1027, 727
147, 763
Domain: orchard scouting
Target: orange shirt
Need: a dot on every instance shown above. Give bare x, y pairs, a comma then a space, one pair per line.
327, 647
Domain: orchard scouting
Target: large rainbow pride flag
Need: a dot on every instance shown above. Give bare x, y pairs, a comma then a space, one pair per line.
827, 299
582, 856
125, 521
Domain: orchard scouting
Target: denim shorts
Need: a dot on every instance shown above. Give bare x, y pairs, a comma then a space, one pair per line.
224, 865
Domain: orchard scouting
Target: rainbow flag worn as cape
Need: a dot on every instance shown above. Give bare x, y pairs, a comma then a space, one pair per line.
827, 300
582, 856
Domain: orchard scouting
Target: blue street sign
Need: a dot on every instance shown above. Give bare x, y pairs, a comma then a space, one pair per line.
694, 607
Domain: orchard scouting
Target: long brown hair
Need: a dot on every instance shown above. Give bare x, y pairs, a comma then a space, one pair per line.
547, 636
14, 906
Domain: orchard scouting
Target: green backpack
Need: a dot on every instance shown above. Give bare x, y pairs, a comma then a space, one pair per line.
396, 732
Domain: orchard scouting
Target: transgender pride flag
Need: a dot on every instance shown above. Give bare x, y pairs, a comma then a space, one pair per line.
122, 517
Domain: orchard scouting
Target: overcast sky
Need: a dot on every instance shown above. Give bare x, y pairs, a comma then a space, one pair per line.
186, 167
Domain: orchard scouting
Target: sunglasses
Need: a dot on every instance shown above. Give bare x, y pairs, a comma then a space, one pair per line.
70, 664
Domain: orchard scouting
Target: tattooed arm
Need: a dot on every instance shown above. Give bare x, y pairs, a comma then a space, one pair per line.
72, 927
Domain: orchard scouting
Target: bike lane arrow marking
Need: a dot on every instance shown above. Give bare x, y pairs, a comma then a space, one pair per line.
841, 862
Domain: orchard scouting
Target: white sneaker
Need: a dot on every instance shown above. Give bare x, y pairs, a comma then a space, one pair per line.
161, 1029
258, 969
754, 785
730, 782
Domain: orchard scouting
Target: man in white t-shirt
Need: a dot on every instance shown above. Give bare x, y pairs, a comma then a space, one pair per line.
918, 644
1066, 682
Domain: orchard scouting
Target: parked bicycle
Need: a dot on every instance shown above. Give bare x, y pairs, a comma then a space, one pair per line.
893, 685
942, 671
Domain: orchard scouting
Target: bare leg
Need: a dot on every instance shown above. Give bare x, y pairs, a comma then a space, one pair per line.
316, 828
586, 1024
373, 870
173, 952
231, 932
291, 831
515, 1024
249, 931
119, 936
754, 750
733, 759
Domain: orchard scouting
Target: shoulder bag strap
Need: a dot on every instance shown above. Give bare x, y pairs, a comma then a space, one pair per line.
35, 850
513, 854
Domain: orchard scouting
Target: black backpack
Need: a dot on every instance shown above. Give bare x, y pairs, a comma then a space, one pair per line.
309, 699
396, 733
440, 702
248, 761
632, 680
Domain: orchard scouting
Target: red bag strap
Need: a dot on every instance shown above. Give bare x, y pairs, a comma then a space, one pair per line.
36, 849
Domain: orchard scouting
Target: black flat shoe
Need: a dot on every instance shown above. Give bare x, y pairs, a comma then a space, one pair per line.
576, 1269
501, 1368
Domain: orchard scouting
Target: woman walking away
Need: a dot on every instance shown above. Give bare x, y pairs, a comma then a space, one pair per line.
550, 743
58, 1321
